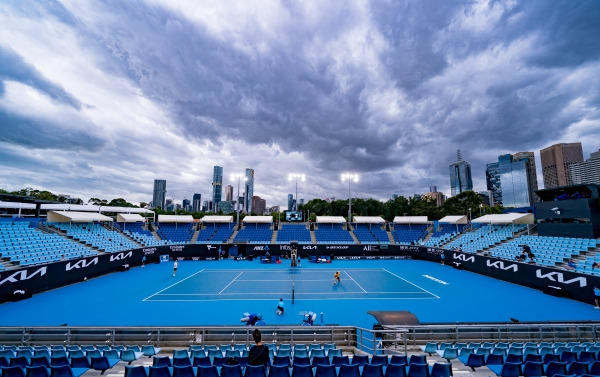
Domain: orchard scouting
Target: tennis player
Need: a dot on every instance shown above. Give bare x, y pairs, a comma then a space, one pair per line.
336, 278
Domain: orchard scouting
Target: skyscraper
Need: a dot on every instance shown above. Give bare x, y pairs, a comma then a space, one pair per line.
492, 180
531, 173
160, 191
556, 160
259, 205
196, 203
514, 180
217, 186
249, 192
229, 193
186, 204
460, 176
588, 171
290, 202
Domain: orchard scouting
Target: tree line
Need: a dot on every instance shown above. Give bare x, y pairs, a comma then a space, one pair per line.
400, 206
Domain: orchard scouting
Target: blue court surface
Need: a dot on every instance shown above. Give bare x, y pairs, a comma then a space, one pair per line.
219, 292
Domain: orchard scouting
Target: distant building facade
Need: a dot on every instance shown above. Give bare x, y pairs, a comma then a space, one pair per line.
514, 180
159, 194
197, 203
556, 160
460, 176
290, 202
217, 186
259, 205
492, 181
586, 172
229, 193
439, 197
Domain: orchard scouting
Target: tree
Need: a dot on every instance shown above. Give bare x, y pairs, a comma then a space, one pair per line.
119, 202
460, 204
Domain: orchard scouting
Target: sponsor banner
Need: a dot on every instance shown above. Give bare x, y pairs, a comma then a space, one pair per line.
570, 284
256, 250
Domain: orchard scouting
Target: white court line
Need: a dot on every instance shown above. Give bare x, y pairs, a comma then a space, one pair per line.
286, 292
311, 269
391, 273
231, 282
355, 282
280, 281
297, 299
172, 285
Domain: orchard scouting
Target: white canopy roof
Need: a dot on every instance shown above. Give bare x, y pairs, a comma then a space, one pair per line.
74, 207
175, 219
453, 220
331, 219
506, 218
217, 219
130, 218
368, 219
80, 217
410, 220
258, 219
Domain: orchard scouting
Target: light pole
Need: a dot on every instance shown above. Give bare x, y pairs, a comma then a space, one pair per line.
297, 177
349, 177
237, 200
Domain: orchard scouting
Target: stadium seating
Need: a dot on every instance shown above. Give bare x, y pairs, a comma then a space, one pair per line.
255, 233
137, 232
96, 235
483, 237
333, 233
215, 233
409, 234
443, 233
176, 233
293, 232
371, 234
25, 244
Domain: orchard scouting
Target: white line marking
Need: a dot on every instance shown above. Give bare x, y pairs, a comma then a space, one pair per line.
298, 299
355, 282
279, 293
231, 282
391, 273
172, 285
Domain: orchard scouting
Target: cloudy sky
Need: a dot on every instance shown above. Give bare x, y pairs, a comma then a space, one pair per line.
99, 98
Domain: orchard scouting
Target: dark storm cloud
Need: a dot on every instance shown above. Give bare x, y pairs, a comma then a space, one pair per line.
14, 68
387, 89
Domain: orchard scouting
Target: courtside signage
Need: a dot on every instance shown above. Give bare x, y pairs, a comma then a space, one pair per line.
18, 276
559, 278
82, 263
499, 264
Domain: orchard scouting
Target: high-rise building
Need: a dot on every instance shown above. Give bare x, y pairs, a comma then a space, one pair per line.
460, 176
186, 204
531, 172
290, 202
225, 206
492, 180
229, 193
206, 206
160, 192
259, 205
439, 197
556, 160
515, 180
586, 172
217, 186
249, 184
196, 203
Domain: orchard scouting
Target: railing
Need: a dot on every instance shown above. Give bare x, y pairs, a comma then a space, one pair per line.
388, 339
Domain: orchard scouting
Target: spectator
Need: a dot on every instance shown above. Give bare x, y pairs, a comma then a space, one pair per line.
571, 264
595, 265
259, 353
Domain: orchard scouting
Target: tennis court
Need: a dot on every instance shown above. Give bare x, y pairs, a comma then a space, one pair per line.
219, 292
302, 283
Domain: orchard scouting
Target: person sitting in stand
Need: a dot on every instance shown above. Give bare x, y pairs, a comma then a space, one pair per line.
571, 264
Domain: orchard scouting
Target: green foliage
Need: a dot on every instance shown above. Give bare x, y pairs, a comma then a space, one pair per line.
460, 204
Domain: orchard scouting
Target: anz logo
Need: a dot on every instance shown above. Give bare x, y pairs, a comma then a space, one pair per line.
18, 276
121, 256
81, 264
558, 277
464, 257
264, 248
500, 265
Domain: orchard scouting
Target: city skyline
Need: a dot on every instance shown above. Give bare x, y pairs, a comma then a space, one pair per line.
98, 99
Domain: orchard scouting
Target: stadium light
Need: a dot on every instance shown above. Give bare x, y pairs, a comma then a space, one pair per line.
237, 200
349, 177
297, 177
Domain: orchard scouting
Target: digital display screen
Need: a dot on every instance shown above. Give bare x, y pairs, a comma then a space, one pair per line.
293, 215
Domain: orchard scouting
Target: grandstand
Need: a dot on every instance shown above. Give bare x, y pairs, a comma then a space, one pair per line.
175, 229
332, 230
256, 229
410, 230
370, 230
293, 232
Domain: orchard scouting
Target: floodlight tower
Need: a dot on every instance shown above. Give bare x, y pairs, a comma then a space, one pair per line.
349, 177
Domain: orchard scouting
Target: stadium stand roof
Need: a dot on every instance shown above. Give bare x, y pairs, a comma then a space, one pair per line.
410, 220
368, 219
453, 220
258, 219
74, 207
130, 218
79, 217
330, 219
175, 219
217, 219
506, 218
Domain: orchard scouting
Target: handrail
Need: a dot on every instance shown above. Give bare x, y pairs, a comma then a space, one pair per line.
386, 340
